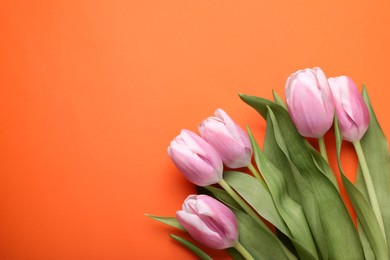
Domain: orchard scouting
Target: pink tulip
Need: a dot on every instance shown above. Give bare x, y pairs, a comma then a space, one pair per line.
309, 102
352, 112
209, 221
196, 159
228, 138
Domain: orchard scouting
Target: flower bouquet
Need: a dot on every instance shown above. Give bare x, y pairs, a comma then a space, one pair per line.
289, 206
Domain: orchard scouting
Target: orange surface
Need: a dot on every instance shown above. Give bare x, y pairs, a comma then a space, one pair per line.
92, 92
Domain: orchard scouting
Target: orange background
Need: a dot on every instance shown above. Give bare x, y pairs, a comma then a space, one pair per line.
92, 92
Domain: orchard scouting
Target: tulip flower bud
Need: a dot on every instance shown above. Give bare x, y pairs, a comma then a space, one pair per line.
196, 159
209, 221
309, 102
228, 138
352, 112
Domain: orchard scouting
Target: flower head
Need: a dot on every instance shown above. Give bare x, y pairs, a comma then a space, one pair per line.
209, 221
352, 112
196, 159
309, 102
228, 138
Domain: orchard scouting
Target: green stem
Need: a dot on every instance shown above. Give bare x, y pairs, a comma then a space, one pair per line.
321, 142
243, 251
370, 186
257, 174
241, 202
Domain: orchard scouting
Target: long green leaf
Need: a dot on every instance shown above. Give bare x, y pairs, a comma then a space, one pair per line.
322, 165
362, 207
171, 221
278, 158
305, 194
291, 212
196, 250
254, 193
260, 242
368, 252
234, 253
298, 188
376, 151
279, 100
335, 219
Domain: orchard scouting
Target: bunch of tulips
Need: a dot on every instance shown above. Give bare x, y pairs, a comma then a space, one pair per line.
291, 185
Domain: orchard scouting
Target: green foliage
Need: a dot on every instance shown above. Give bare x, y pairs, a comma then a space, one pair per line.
334, 219
256, 195
376, 151
196, 250
260, 242
170, 221
291, 212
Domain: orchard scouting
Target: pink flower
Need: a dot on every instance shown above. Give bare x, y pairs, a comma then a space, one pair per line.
196, 159
209, 221
352, 112
309, 102
228, 138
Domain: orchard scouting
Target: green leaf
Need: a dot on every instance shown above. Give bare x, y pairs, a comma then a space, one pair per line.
362, 207
298, 188
171, 221
278, 158
234, 253
260, 242
334, 217
278, 99
255, 194
322, 165
196, 250
291, 212
368, 253
376, 151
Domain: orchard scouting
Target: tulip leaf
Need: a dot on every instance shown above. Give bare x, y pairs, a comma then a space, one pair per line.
362, 207
171, 221
291, 212
255, 194
322, 165
297, 187
196, 250
368, 253
278, 158
334, 216
234, 253
376, 151
260, 242
278, 99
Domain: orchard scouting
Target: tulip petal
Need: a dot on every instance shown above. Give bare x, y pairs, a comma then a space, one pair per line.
221, 217
196, 159
228, 138
232, 152
199, 230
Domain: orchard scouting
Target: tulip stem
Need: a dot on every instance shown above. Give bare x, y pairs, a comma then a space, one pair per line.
243, 251
257, 174
370, 186
321, 143
241, 202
